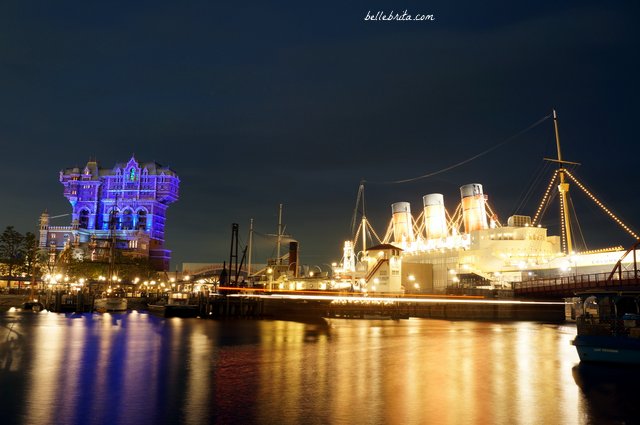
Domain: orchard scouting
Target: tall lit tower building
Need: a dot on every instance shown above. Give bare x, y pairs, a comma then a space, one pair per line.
126, 204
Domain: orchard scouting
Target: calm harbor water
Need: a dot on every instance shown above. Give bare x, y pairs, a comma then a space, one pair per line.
140, 369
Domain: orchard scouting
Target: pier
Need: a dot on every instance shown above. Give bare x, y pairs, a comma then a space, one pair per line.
290, 306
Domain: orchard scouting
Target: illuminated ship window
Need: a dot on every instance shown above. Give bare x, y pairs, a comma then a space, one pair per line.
591, 306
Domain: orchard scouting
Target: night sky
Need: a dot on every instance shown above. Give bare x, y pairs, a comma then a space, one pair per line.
257, 104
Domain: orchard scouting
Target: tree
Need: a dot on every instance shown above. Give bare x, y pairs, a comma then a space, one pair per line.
126, 268
31, 263
12, 251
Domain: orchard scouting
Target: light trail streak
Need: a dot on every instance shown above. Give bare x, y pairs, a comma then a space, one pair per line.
371, 300
339, 293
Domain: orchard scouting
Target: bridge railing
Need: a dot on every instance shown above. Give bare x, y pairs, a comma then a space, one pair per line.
617, 270
577, 282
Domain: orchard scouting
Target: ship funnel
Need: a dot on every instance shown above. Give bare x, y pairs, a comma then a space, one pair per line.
435, 222
473, 207
402, 222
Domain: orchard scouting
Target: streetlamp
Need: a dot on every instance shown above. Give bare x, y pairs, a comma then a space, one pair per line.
270, 277
186, 279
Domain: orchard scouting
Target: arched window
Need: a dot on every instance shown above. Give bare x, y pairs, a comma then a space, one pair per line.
114, 219
83, 219
142, 220
591, 306
127, 220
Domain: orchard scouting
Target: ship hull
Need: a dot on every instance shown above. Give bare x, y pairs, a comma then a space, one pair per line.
609, 349
110, 304
286, 308
184, 311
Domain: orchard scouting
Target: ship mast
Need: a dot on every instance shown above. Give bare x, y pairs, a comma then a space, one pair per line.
279, 235
563, 188
112, 243
364, 223
250, 245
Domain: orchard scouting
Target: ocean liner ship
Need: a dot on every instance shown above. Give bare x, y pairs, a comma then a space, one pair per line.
471, 248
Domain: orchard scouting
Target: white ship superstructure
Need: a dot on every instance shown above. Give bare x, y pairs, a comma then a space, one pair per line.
471, 248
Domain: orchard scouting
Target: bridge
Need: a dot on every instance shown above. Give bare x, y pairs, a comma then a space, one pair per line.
566, 286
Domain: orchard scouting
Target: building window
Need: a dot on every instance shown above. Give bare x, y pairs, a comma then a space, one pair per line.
127, 220
142, 220
83, 219
114, 219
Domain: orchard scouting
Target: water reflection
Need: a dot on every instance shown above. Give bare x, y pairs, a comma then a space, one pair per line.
135, 368
610, 392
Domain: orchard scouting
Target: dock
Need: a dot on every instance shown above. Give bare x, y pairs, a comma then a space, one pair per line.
311, 306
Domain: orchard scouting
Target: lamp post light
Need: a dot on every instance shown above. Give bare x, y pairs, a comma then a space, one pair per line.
186, 280
270, 277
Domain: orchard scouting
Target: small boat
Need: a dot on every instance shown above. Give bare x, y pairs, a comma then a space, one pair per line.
608, 326
177, 305
32, 305
105, 304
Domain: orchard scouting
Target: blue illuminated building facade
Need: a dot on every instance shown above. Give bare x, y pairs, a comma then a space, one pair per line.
126, 204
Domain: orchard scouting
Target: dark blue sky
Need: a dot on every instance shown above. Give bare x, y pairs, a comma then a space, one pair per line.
256, 104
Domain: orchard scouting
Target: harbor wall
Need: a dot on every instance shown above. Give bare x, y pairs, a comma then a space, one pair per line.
534, 312
221, 306
453, 311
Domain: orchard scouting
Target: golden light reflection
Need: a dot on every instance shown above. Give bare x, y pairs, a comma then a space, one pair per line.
46, 369
135, 368
198, 388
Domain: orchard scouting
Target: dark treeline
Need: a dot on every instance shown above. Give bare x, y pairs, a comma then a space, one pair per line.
23, 260
18, 255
